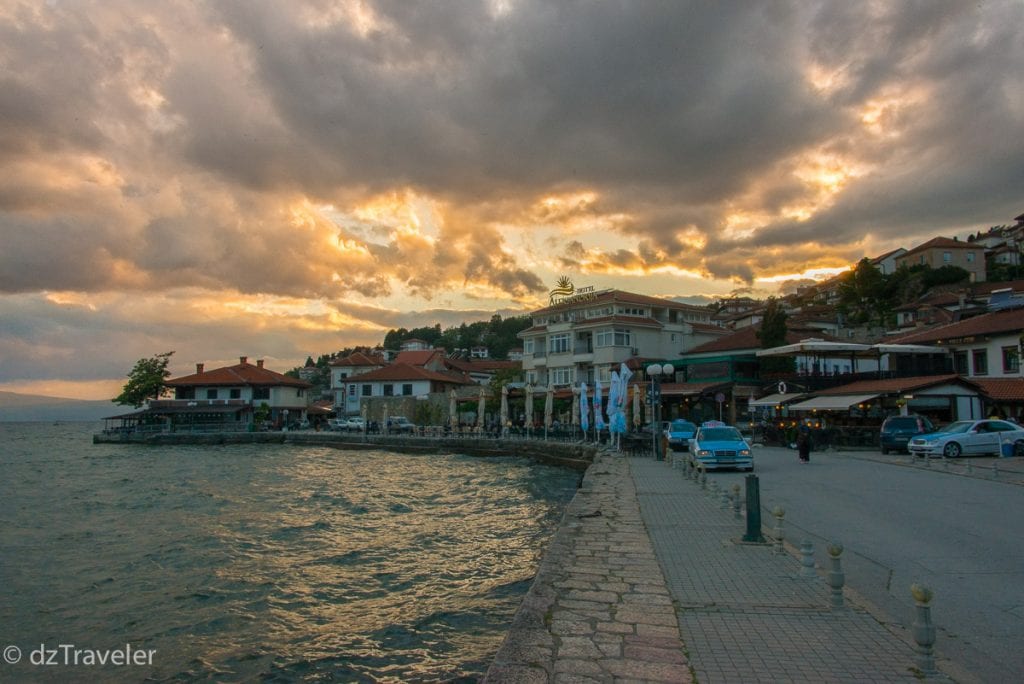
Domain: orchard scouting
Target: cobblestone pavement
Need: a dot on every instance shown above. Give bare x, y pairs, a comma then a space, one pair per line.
745, 612
599, 609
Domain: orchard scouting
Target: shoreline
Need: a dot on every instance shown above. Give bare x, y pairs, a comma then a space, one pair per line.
575, 455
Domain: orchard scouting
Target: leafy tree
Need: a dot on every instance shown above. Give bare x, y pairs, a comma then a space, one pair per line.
945, 275
773, 334
862, 294
145, 381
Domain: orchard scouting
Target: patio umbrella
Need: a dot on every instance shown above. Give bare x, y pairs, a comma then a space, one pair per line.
584, 409
598, 409
453, 409
504, 408
480, 409
528, 406
549, 403
636, 405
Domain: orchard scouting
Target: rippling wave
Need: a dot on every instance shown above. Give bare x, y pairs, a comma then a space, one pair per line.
269, 562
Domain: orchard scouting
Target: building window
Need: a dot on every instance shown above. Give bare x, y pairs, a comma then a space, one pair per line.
367, 390
261, 393
960, 363
979, 358
924, 259
617, 338
300, 393
632, 311
184, 392
211, 394
559, 344
947, 258
389, 390
970, 257
528, 346
236, 394
1011, 360
351, 390
561, 376
407, 389
531, 378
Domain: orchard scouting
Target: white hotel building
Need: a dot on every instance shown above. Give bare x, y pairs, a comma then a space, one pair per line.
585, 336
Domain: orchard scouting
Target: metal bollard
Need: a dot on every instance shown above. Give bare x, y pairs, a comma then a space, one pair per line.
836, 577
780, 513
724, 502
736, 502
945, 464
807, 559
753, 533
923, 629
703, 477
970, 469
995, 471
927, 461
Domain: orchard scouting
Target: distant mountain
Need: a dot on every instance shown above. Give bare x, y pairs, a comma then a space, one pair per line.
28, 407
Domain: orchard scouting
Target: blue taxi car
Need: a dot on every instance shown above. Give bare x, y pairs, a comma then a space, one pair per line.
679, 433
717, 445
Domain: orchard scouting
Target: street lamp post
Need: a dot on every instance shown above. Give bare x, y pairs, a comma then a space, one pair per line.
654, 373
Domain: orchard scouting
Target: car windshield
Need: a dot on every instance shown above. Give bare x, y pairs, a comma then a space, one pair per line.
959, 426
682, 426
722, 434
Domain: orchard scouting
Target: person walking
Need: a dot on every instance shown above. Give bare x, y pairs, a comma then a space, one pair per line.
803, 443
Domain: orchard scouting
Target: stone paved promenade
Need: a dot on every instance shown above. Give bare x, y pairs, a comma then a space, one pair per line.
644, 581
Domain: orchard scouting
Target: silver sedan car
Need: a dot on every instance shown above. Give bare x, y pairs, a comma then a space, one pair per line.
971, 438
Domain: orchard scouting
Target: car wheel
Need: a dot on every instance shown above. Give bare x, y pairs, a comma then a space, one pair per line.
952, 450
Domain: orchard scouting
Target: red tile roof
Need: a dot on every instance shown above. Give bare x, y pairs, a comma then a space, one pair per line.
891, 385
611, 296
404, 371
359, 359
1001, 389
239, 374
746, 338
419, 357
618, 318
481, 365
995, 323
940, 243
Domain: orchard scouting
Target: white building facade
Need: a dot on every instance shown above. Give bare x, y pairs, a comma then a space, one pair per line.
583, 337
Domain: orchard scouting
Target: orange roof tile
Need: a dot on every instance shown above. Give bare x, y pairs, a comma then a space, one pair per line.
941, 243
239, 374
405, 371
1002, 389
359, 359
419, 357
994, 323
746, 338
889, 385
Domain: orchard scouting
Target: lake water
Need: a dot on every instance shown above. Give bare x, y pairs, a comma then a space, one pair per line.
264, 562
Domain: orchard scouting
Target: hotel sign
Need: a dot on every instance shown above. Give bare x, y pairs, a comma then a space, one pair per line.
566, 293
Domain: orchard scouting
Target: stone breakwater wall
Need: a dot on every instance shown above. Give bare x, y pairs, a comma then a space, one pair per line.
599, 609
577, 456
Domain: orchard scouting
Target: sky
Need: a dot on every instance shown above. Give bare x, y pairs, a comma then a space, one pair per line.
283, 179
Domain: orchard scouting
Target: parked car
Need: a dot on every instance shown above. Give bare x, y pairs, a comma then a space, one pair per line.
336, 424
354, 424
971, 438
717, 445
897, 431
679, 433
399, 424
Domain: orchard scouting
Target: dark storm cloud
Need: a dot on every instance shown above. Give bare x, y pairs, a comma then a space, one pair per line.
154, 146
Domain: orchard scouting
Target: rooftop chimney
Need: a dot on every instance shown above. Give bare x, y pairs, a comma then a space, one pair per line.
259, 363
243, 359
199, 368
